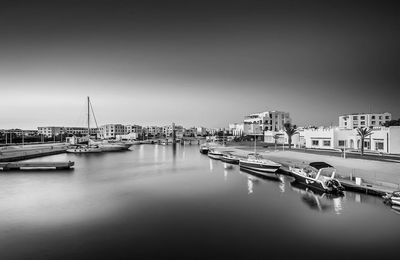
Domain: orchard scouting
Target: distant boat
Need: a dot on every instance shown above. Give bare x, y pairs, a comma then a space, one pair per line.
312, 177
85, 149
204, 149
228, 157
257, 164
112, 146
214, 154
393, 198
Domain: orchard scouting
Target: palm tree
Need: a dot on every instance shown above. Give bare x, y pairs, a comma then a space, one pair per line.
363, 132
276, 137
290, 130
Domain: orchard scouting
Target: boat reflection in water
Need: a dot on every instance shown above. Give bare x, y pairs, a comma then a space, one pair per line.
318, 200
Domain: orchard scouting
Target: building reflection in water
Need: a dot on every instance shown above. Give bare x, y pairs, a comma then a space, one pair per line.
249, 186
282, 184
174, 153
141, 152
156, 152
164, 154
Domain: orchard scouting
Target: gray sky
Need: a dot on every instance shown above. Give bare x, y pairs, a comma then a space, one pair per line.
204, 63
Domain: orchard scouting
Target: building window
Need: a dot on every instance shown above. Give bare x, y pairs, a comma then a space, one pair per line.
362, 117
342, 143
372, 117
315, 142
380, 117
387, 117
379, 146
327, 143
362, 122
355, 117
373, 122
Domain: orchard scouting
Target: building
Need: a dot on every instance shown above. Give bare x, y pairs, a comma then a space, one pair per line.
168, 130
50, 131
236, 129
201, 131
190, 132
133, 129
382, 139
153, 131
110, 131
256, 124
352, 121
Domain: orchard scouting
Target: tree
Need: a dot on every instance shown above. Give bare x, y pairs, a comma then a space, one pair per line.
290, 130
392, 123
363, 133
276, 137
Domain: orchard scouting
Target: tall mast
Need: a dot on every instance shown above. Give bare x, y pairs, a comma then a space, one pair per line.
88, 116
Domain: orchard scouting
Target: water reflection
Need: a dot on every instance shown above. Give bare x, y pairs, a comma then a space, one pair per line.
211, 165
319, 201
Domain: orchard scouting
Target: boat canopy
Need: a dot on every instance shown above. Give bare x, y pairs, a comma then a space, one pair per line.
320, 165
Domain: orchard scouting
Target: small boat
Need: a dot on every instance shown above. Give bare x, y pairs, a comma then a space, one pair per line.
230, 158
85, 149
204, 149
392, 198
312, 177
212, 153
257, 164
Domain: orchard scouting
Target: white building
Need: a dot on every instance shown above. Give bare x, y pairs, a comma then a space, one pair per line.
111, 130
202, 131
50, 131
256, 124
352, 121
236, 129
168, 130
133, 129
382, 139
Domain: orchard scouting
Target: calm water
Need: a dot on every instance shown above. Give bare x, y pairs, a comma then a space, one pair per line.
164, 202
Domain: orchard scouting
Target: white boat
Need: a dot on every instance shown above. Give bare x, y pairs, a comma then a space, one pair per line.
109, 146
214, 154
255, 163
312, 177
393, 198
85, 149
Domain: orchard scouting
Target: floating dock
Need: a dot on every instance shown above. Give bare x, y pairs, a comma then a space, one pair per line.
7, 166
366, 188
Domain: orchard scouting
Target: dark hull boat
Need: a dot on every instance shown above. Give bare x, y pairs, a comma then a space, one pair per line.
311, 176
204, 149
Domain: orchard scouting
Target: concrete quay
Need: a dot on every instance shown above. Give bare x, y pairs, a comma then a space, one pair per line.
373, 177
18, 153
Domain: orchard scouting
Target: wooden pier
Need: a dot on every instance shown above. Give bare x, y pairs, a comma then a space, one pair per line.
7, 166
366, 188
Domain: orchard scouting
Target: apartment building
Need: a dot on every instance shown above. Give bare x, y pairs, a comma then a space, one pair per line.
110, 131
351, 121
256, 124
133, 129
50, 131
236, 129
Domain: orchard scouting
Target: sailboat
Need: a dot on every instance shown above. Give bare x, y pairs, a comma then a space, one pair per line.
89, 148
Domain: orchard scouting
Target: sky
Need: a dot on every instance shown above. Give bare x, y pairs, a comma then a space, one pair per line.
195, 63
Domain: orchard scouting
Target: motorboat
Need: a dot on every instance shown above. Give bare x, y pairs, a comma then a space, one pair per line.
204, 149
228, 157
313, 176
392, 198
111, 146
257, 164
85, 149
214, 154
